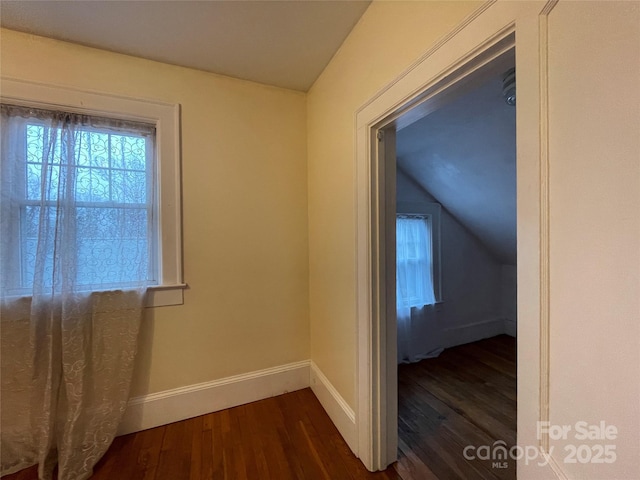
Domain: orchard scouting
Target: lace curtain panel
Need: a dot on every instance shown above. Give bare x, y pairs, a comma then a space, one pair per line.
418, 337
76, 218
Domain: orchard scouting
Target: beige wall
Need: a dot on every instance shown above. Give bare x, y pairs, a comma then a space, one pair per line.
245, 196
244, 211
389, 38
594, 195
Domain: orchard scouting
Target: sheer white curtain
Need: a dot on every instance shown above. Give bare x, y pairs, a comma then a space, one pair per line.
415, 298
75, 216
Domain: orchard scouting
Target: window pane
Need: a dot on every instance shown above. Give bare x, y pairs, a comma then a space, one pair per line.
112, 245
52, 179
34, 180
129, 186
92, 185
128, 152
35, 140
95, 183
38, 228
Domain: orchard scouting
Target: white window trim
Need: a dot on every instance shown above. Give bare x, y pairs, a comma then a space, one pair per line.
166, 118
431, 210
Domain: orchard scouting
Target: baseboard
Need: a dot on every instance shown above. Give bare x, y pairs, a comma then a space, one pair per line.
342, 416
511, 328
473, 332
170, 406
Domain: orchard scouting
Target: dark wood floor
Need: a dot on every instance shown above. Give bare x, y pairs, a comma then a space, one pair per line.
467, 396
280, 438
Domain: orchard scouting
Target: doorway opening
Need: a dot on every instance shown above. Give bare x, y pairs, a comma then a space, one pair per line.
377, 126
455, 265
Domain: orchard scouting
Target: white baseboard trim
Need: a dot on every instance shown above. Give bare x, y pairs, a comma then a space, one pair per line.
511, 328
342, 416
170, 406
473, 332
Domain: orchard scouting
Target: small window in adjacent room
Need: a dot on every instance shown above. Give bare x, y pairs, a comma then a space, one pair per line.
418, 256
107, 167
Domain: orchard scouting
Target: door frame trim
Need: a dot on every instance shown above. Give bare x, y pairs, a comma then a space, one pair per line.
487, 33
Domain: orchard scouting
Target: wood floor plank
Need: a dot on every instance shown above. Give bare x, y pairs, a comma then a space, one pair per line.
231, 448
246, 466
148, 456
302, 439
109, 466
269, 428
324, 433
175, 453
472, 396
197, 445
410, 465
252, 438
292, 462
207, 453
218, 460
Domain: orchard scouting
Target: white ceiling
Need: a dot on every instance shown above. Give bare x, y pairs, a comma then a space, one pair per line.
464, 155
281, 43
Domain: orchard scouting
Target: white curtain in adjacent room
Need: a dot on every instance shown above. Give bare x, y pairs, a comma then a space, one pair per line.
76, 223
418, 337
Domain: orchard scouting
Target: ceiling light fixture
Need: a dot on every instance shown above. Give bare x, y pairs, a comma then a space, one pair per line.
509, 86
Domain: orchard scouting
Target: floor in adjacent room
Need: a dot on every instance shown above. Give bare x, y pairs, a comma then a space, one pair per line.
466, 396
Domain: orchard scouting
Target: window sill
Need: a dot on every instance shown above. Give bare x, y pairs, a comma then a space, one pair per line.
157, 295
165, 295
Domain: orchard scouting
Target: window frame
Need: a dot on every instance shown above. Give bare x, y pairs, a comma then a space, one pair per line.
432, 212
166, 118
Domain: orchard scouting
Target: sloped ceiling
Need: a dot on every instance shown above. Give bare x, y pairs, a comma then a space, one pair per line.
281, 43
464, 155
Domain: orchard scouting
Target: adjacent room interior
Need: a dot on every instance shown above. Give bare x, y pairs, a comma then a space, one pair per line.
456, 279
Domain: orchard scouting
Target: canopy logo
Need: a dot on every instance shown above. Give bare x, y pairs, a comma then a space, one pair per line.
588, 443
499, 454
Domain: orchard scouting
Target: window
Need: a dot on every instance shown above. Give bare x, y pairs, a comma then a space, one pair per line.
418, 255
414, 264
118, 161
105, 167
